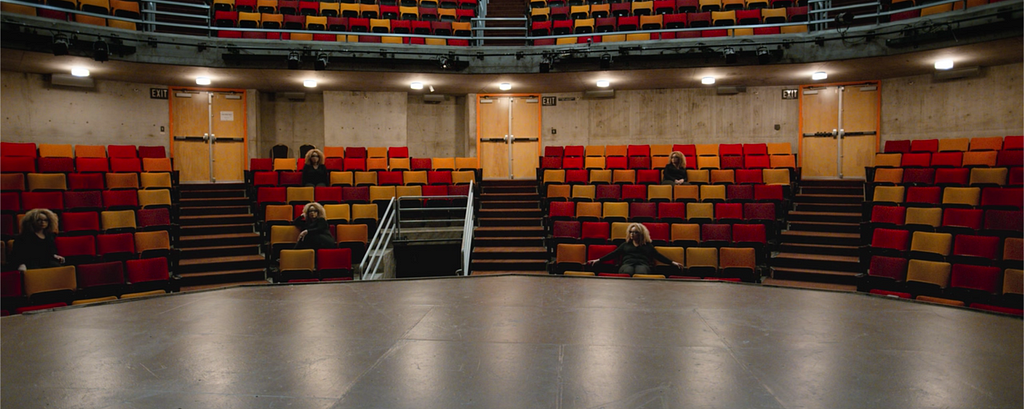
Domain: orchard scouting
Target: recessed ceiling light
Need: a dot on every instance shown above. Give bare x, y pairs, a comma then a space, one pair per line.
203, 80
505, 86
416, 85
309, 83
944, 64
819, 75
707, 80
603, 83
80, 72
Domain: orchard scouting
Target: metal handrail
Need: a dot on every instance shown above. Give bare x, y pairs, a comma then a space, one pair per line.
371, 260
467, 233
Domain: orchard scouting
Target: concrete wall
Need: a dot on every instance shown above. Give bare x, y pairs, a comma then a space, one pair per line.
112, 113
123, 113
990, 105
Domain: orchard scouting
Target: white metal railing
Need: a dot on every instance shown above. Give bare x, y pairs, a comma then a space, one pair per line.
467, 233
375, 248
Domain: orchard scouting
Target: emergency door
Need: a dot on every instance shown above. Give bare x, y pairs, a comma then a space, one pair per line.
509, 136
208, 130
838, 130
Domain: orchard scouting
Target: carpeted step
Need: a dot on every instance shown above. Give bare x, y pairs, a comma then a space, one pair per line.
828, 207
510, 204
816, 261
193, 194
831, 182
223, 276
202, 230
510, 221
774, 282
488, 189
240, 218
503, 231
213, 201
508, 241
219, 251
824, 227
832, 190
814, 275
487, 197
509, 253
841, 239
224, 263
833, 217
508, 264
211, 186
818, 198
509, 213
213, 210
835, 250
230, 239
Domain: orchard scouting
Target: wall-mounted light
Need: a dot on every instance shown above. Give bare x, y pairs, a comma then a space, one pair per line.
309, 83
944, 64
603, 83
707, 80
819, 75
505, 86
416, 85
80, 72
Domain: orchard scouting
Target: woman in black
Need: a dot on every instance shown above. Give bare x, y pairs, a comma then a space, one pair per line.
315, 232
675, 170
637, 252
36, 246
313, 171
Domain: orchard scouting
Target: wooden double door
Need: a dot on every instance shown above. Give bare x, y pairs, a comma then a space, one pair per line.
508, 128
839, 130
208, 130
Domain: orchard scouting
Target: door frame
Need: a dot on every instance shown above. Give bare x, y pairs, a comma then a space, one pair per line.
878, 113
540, 119
245, 111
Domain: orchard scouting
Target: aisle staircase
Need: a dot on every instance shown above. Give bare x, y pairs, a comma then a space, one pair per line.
821, 243
217, 240
510, 235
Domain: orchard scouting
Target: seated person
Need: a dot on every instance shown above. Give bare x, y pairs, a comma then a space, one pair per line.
675, 169
636, 252
36, 246
314, 173
314, 231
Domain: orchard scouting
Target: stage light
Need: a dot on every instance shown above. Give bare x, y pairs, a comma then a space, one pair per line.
416, 85
80, 72
444, 62
819, 75
763, 56
100, 51
294, 60
944, 64
730, 55
844, 19
603, 83
61, 44
606, 61
202, 80
505, 86
309, 83
321, 62
707, 80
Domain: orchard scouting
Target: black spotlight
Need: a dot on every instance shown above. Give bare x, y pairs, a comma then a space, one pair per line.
444, 62
519, 55
730, 55
321, 62
763, 56
293, 60
100, 51
844, 19
61, 44
606, 61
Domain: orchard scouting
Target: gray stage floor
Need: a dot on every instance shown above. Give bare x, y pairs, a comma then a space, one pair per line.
512, 342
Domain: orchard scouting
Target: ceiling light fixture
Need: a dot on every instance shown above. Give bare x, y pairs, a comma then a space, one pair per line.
707, 80
819, 75
293, 60
309, 83
321, 62
730, 55
202, 80
416, 85
61, 44
763, 56
80, 72
606, 61
603, 83
944, 64
505, 86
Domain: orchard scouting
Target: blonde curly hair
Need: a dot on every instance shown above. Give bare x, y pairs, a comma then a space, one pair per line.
30, 217
645, 235
318, 152
677, 154
314, 205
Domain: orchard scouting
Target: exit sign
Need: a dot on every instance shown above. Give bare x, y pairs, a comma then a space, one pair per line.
548, 101
789, 94
158, 93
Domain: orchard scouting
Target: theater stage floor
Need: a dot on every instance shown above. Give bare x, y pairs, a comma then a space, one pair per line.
512, 342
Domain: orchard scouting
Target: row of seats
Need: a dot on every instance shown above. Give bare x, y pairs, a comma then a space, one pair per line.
118, 8
577, 177
260, 35
1000, 176
702, 156
705, 149
369, 178
308, 265
49, 150
1011, 198
991, 143
622, 19
82, 221
685, 6
350, 194
84, 165
458, 25
958, 248
997, 222
955, 159
666, 193
57, 201
753, 235
45, 288
353, 163
32, 182
284, 236
724, 262
317, 7
665, 212
92, 248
